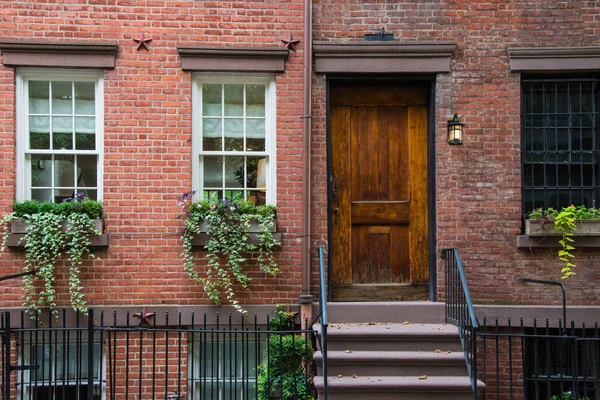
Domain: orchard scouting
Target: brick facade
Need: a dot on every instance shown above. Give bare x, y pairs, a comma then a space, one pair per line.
147, 135
147, 138
478, 197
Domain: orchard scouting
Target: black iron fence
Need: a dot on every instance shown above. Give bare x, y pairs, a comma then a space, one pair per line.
540, 361
141, 355
548, 361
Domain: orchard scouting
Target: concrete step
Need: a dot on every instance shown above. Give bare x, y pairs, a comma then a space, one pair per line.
385, 311
393, 337
394, 388
392, 363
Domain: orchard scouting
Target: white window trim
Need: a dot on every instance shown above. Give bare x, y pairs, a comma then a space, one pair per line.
23, 168
270, 128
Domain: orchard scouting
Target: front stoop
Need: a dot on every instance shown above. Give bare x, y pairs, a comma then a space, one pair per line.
412, 359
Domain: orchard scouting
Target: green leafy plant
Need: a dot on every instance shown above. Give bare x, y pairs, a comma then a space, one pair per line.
227, 244
283, 375
568, 396
564, 221
53, 230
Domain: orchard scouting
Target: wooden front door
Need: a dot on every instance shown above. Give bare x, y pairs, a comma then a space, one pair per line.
379, 193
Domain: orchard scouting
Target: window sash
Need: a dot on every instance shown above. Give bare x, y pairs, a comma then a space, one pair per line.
80, 107
204, 146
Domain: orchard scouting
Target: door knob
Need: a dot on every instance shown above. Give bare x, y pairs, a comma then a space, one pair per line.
335, 211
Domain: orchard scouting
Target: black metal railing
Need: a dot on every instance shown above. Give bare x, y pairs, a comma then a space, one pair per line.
323, 314
460, 311
144, 355
539, 362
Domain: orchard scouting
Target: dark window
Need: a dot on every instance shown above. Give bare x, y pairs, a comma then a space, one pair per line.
559, 128
555, 365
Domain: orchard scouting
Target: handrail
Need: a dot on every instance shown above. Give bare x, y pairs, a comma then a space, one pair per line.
323, 314
460, 311
464, 286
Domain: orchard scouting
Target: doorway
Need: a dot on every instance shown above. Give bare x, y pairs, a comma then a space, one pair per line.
379, 192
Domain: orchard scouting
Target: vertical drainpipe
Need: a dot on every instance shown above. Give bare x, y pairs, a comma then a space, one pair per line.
306, 297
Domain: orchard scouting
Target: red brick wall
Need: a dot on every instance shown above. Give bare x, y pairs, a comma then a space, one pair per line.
148, 133
147, 138
478, 197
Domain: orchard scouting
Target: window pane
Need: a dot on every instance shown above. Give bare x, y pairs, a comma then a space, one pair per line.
234, 100
212, 195
87, 171
234, 194
575, 175
39, 97
64, 171
551, 175
234, 172
255, 128
41, 170
588, 175
211, 127
62, 98
563, 97
255, 100
537, 97
213, 171
234, 134
257, 172
258, 197
85, 93
538, 175
85, 133
211, 100
41, 195
39, 133
62, 133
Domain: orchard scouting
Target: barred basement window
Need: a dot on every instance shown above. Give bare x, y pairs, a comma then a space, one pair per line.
223, 365
555, 364
560, 143
59, 364
234, 138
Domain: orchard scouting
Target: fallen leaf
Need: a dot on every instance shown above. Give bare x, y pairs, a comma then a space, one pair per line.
340, 375
437, 351
405, 323
354, 376
423, 377
348, 351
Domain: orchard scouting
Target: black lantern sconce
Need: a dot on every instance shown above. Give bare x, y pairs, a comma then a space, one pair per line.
455, 130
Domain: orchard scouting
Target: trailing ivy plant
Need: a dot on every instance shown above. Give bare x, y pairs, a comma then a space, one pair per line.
564, 221
227, 244
53, 231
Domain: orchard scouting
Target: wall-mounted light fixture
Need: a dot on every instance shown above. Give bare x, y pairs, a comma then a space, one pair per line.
455, 130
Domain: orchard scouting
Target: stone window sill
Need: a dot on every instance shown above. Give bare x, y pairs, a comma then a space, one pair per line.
527, 242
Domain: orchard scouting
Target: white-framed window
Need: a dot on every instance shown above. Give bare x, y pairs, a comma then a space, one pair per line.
59, 367
59, 134
224, 366
234, 137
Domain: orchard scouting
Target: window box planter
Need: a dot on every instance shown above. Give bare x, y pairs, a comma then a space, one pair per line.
583, 228
18, 228
201, 239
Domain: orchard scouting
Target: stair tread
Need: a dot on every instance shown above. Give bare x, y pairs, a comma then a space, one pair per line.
382, 356
384, 383
390, 329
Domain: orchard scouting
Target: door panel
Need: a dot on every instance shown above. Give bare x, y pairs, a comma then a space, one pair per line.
379, 186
